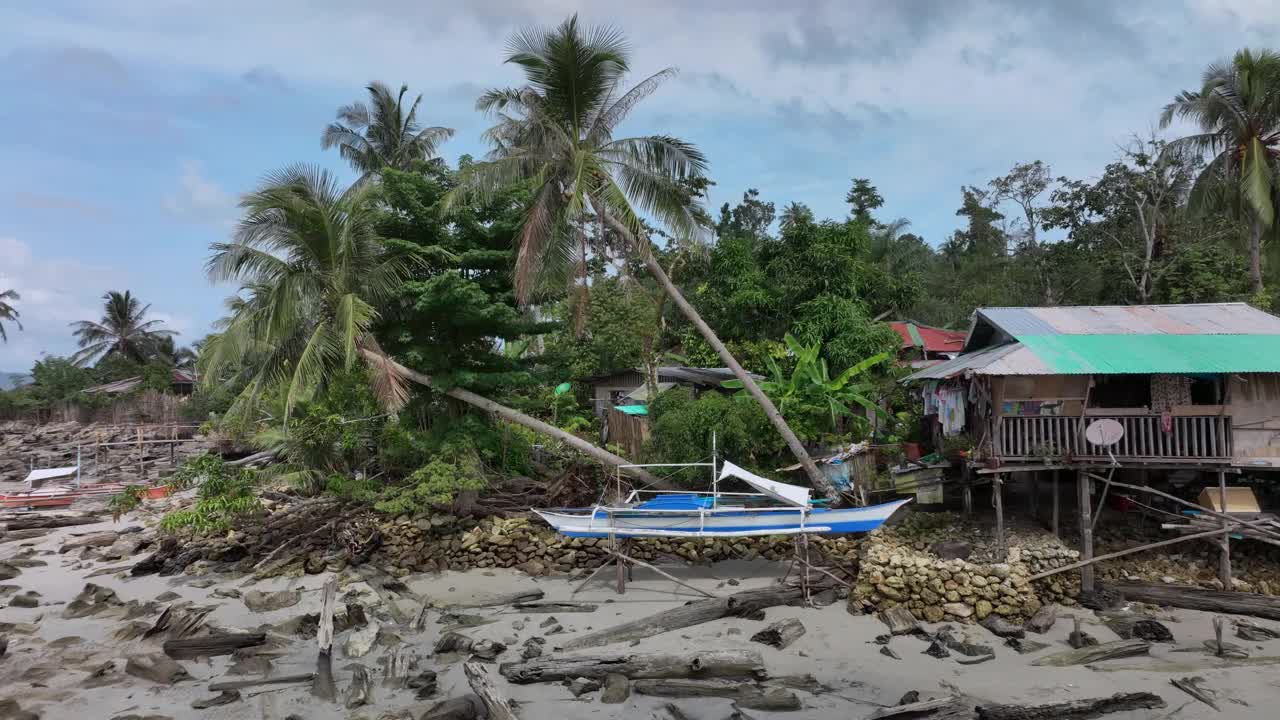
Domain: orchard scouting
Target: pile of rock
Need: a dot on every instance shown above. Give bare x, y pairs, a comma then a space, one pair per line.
1255, 566
24, 445
902, 566
439, 542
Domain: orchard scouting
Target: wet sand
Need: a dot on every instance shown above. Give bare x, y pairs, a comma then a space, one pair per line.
45, 669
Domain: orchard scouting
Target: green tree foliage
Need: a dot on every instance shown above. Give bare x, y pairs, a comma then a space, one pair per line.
682, 426
1238, 111
123, 330
8, 313
864, 197
456, 308
383, 134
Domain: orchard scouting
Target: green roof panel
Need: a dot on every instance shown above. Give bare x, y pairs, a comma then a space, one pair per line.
1172, 354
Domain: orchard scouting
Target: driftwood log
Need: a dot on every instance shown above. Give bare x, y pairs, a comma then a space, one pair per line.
467, 707
523, 596
1072, 710
1196, 598
947, 707
744, 694
38, 521
254, 682
322, 686
743, 604
555, 607
499, 707
714, 664
1095, 653
780, 634
669, 711
211, 645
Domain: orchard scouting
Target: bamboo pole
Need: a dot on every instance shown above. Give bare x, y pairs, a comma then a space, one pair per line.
1087, 564
1055, 504
1259, 525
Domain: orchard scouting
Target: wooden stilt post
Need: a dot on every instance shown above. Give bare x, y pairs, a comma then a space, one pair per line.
622, 570
1086, 531
142, 469
1033, 494
968, 489
1055, 504
1224, 560
997, 485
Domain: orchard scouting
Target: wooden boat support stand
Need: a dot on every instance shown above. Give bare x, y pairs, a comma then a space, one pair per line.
777, 509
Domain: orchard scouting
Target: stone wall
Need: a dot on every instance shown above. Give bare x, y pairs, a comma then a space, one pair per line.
900, 565
444, 542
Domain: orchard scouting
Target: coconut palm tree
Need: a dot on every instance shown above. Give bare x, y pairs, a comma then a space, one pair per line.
123, 330
1238, 111
383, 133
8, 312
556, 133
313, 272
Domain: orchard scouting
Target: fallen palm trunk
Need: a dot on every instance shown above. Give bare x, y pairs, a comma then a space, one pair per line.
211, 645
1096, 653
1073, 710
624, 465
744, 694
254, 682
1195, 598
716, 664
743, 604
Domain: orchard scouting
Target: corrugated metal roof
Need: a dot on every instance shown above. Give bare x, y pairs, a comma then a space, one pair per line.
1204, 319
930, 338
1179, 354
979, 362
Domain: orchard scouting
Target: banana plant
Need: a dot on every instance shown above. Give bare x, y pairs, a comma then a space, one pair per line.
809, 391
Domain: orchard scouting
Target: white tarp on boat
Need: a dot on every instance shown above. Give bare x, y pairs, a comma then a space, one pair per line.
50, 474
790, 494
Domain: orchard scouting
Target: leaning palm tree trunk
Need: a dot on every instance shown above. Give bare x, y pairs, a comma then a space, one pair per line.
816, 477
519, 418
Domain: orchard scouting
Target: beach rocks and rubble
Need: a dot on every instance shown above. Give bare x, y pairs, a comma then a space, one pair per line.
24, 445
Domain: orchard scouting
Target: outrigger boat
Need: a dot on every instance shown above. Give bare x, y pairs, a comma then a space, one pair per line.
777, 509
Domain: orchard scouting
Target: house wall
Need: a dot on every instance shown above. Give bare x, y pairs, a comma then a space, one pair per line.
1253, 402
603, 389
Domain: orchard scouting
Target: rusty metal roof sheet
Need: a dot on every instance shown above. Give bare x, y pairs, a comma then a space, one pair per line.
1011, 359
1201, 319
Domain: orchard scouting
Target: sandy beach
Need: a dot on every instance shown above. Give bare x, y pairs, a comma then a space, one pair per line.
54, 666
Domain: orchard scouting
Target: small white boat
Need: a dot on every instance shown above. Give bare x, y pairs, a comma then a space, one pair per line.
716, 514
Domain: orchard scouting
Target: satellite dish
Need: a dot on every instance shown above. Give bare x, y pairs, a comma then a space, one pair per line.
1104, 433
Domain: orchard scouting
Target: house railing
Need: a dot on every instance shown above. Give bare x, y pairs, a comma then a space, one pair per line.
1197, 437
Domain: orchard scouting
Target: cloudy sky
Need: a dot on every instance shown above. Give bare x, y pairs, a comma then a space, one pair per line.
131, 126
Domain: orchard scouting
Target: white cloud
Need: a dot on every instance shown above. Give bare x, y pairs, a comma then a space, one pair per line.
197, 198
54, 293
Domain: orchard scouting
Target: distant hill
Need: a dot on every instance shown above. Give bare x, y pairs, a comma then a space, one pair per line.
10, 380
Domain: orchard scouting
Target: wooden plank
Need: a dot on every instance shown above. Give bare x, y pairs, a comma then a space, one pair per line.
211, 645
1086, 532
254, 682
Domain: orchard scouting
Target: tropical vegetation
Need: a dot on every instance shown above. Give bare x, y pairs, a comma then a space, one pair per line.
8, 313
429, 330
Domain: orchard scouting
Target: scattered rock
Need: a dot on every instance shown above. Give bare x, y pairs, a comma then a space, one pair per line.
258, 601
960, 610
889, 652
361, 641
582, 686
28, 599
617, 688
92, 600
156, 667
425, 683
10, 710
1151, 631
1024, 646
168, 596
910, 697
1043, 620
1003, 628
1247, 630
549, 622
952, 550
937, 649
229, 593
226, 698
